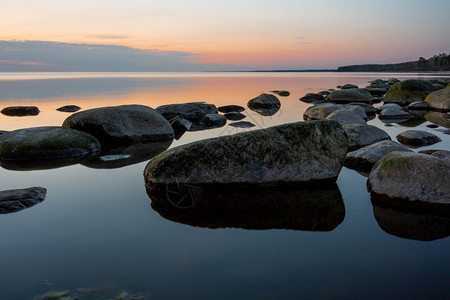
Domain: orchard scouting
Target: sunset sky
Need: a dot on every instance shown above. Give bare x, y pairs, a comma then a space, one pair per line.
256, 34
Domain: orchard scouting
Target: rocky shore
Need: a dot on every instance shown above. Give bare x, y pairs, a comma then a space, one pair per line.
309, 154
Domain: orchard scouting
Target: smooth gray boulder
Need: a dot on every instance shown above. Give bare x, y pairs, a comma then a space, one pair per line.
311, 97
346, 116
125, 124
417, 138
16, 200
439, 100
320, 111
350, 95
377, 91
47, 143
442, 154
394, 114
408, 91
358, 110
388, 105
418, 105
192, 111
363, 159
348, 86
264, 101
369, 109
411, 180
361, 135
304, 152
20, 111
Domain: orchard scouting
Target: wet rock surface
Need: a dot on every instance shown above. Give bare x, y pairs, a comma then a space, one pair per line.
346, 116
20, 111
303, 152
69, 108
47, 144
242, 124
350, 95
417, 138
439, 100
192, 111
19, 199
124, 124
365, 158
234, 116
230, 108
361, 135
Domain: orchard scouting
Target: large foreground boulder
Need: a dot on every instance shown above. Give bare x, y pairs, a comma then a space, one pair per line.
439, 100
310, 153
47, 143
349, 96
408, 91
412, 180
16, 200
124, 124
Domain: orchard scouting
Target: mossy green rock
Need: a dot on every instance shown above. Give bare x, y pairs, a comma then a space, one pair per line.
350, 95
311, 152
439, 100
51, 142
320, 111
408, 91
411, 180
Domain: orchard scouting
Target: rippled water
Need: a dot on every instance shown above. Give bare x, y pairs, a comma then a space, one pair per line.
97, 235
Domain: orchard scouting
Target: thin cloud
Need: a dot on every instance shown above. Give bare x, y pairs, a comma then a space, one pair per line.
107, 36
300, 37
304, 43
29, 63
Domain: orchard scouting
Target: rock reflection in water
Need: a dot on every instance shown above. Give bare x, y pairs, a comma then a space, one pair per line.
118, 157
266, 112
42, 164
409, 224
249, 208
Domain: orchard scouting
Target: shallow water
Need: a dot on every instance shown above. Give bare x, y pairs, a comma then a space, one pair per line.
97, 229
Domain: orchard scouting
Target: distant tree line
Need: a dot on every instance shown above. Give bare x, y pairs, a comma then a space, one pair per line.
439, 62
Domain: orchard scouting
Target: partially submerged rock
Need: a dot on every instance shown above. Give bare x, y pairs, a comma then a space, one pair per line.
408, 91
439, 100
412, 181
20, 111
69, 108
346, 116
350, 95
296, 209
234, 116
192, 111
308, 153
125, 124
281, 93
265, 104
417, 138
16, 200
311, 97
230, 108
361, 135
365, 158
418, 105
379, 109
320, 111
439, 118
349, 86
179, 126
47, 143
213, 120
394, 114
242, 124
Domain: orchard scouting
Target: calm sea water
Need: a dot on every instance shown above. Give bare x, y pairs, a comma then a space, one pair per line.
96, 234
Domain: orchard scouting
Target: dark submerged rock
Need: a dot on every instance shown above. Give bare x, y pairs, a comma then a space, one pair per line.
412, 181
234, 116
361, 135
350, 95
296, 209
242, 124
417, 138
230, 108
20, 111
69, 108
47, 144
303, 152
311, 97
365, 158
16, 200
281, 93
193, 111
349, 86
408, 91
124, 124
213, 120
264, 101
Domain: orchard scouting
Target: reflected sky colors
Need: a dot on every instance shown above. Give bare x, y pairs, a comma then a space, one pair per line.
247, 34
